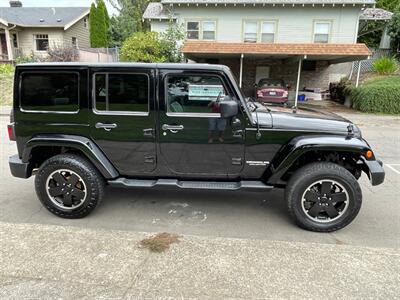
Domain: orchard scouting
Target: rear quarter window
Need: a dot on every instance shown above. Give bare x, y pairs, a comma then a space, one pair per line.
49, 92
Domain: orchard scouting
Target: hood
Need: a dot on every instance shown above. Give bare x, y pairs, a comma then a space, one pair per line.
304, 119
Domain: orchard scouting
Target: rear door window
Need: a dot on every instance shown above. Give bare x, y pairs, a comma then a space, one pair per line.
121, 93
49, 92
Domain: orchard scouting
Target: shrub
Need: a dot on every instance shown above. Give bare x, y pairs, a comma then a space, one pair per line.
62, 53
143, 47
379, 95
338, 90
385, 65
28, 59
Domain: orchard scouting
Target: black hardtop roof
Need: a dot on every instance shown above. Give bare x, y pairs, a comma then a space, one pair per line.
176, 66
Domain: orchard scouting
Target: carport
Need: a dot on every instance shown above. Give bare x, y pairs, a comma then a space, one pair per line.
239, 55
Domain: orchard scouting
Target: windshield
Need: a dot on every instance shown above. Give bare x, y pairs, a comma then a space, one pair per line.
268, 82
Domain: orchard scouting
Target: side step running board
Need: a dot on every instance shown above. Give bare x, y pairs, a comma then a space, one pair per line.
174, 183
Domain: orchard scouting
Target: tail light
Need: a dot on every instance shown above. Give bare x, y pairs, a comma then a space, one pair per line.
11, 132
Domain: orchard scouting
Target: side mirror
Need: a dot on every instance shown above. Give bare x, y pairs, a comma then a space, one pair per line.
229, 108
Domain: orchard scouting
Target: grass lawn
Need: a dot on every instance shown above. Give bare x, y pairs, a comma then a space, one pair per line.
6, 89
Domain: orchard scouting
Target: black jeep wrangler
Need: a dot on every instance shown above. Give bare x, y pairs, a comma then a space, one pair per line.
80, 127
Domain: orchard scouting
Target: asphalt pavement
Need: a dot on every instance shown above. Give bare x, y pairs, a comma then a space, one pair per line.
244, 241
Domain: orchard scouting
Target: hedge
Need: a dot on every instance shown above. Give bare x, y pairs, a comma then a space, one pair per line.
379, 95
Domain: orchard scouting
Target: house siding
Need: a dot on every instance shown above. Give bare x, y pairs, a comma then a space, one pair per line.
26, 39
79, 31
159, 26
294, 24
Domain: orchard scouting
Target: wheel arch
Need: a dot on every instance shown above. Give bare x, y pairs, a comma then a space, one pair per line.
311, 149
42, 147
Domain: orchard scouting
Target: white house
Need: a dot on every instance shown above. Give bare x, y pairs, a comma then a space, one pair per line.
269, 38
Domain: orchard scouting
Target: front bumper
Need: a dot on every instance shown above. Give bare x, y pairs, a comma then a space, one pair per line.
375, 171
19, 168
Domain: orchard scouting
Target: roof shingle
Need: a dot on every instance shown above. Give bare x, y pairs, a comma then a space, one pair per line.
270, 1
202, 47
32, 16
375, 14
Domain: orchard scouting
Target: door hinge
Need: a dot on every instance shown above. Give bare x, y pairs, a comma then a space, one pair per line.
149, 159
148, 132
237, 161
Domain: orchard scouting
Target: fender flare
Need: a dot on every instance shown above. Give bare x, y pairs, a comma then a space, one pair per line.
85, 145
298, 146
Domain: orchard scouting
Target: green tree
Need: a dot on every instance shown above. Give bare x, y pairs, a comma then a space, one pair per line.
394, 31
99, 22
171, 42
102, 6
142, 47
390, 5
128, 20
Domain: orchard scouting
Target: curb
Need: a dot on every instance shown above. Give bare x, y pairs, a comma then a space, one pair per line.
5, 110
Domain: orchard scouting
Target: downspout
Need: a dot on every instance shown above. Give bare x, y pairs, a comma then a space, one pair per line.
298, 83
241, 70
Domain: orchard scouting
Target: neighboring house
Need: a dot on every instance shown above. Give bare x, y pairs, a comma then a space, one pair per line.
31, 30
269, 38
377, 15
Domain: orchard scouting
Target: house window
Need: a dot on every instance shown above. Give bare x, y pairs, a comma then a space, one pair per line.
74, 42
250, 31
15, 40
268, 32
41, 42
321, 32
85, 22
209, 30
193, 30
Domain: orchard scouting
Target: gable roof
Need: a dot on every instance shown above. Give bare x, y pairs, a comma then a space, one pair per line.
299, 2
375, 14
156, 10
62, 17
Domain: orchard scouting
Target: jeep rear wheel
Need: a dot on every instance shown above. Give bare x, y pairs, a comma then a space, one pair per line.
69, 186
323, 197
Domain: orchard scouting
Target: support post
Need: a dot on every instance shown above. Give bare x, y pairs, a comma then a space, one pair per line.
241, 70
351, 71
298, 82
358, 73
8, 43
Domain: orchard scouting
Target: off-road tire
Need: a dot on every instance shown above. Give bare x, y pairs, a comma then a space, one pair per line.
307, 175
93, 181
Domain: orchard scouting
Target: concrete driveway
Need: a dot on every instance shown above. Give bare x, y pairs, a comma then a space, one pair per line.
256, 219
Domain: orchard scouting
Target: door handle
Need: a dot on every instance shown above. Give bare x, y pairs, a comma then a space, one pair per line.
106, 126
172, 128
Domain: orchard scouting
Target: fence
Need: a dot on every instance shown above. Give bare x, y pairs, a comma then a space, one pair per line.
98, 55
367, 65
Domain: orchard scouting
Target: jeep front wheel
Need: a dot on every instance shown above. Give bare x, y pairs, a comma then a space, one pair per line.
69, 186
323, 197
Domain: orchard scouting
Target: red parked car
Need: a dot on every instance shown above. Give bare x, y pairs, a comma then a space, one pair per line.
272, 91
